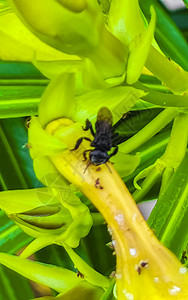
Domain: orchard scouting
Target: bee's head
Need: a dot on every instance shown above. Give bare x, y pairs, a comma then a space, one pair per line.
98, 157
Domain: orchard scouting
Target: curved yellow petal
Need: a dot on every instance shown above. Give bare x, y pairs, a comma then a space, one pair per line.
145, 268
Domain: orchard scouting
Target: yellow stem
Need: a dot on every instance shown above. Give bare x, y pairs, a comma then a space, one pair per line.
162, 276
133, 240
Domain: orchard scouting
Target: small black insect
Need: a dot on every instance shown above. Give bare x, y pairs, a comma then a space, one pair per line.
103, 138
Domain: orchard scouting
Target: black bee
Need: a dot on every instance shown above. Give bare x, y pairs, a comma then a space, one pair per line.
103, 138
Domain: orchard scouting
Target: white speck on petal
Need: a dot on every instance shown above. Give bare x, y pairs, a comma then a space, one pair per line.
132, 251
175, 289
182, 270
156, 279
120, 219
128, 296
134, 217
118, 276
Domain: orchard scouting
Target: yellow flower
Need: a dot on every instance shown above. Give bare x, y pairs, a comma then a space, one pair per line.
145, 268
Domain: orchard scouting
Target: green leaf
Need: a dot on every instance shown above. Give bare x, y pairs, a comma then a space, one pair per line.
10, 286
4, 7
169, 37
19, 92
163, 99
166, 100
57, 278
21, 73
152, 128
152, 176
143, 105
100, 256
166, 165
171, 74
169, 218
149, 153
12, 133
21, 86
186, 3
19, 107
108, 295
83, 291
89, 273
136, 119
55, 255
19, 97
12, 238
153, 83
125, 164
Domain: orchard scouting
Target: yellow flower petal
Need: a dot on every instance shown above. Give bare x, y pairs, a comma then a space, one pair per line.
145, 268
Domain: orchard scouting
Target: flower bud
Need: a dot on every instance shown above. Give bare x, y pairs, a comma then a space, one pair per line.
76, 27
54, 219
71, 27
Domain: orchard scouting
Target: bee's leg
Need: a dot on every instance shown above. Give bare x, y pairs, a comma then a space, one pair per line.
89, 127
84, 154
79, 141
114, 152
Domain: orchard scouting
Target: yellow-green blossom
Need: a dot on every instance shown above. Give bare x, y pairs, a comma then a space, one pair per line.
77, 29
145, 268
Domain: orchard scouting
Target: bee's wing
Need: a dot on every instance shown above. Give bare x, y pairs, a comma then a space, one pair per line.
104, 114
